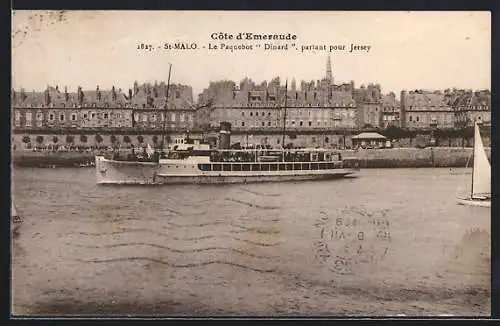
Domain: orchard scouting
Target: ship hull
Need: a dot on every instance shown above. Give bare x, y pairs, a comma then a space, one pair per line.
146, 173
474, 202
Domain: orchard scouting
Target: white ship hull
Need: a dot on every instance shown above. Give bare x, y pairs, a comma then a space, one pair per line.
148, 173
474, 202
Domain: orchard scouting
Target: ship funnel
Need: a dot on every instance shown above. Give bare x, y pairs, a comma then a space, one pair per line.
225, 135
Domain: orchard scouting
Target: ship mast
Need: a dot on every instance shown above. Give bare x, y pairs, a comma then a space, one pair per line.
284, 115
165, 110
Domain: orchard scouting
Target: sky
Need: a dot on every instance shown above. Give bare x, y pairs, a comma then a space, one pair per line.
408, 50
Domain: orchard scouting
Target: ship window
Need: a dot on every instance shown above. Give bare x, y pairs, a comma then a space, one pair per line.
264, 167
282, 167
330, 165
289, 166
216, 167
274, 167
297, 166
245, 167
236, 167
305, 166
315, 166
323, 166
226, 167
255, 167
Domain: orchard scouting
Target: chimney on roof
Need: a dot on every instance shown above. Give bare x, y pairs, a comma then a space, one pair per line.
113, 93
129, 93
47, 96
66, 95
80, 95
98, 93
13, 95
57, 88
23, 94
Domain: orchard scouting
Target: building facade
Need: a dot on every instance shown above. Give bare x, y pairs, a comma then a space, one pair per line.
451, 109
271, 106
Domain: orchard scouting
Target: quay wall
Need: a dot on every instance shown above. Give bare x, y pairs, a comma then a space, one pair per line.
414, 157
41, 159
369, 158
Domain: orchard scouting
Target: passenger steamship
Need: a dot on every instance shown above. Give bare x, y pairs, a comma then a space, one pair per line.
191, 161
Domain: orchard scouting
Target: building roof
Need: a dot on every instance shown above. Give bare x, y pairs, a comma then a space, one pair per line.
369, 135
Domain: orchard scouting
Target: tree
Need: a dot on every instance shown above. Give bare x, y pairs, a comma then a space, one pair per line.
70, 139
26, 139
55, 139
98, 138
83, 138
39, 139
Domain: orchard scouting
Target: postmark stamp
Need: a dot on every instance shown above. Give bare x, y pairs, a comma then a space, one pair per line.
352, 237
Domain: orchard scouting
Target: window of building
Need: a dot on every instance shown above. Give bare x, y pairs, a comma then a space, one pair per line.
310, 123
301, 123
29, 119
51, 117
242, 114
269, 123
73, 117
411, 118
182, 117
263, 124
105, 115
92, 116
144, 117
293, 123
172, 117
417, 119
242, 123
61, 117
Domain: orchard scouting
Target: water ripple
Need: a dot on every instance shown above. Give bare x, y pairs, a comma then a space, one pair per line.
176, 238
159, 261
127, 244
260, 194
250, 204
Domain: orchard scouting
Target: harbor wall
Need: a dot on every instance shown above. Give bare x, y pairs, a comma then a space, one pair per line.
369, 158
46, 159
414, 157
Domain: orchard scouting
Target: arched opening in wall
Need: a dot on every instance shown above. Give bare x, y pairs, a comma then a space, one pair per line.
327, 140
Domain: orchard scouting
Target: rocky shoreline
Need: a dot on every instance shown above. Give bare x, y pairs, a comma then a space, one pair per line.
429, 157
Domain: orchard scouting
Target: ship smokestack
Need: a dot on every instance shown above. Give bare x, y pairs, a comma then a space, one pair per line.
225, 135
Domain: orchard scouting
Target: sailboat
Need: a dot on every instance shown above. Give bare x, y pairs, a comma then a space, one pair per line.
480, 194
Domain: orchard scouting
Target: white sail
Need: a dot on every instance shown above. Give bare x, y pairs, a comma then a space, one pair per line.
481, 175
